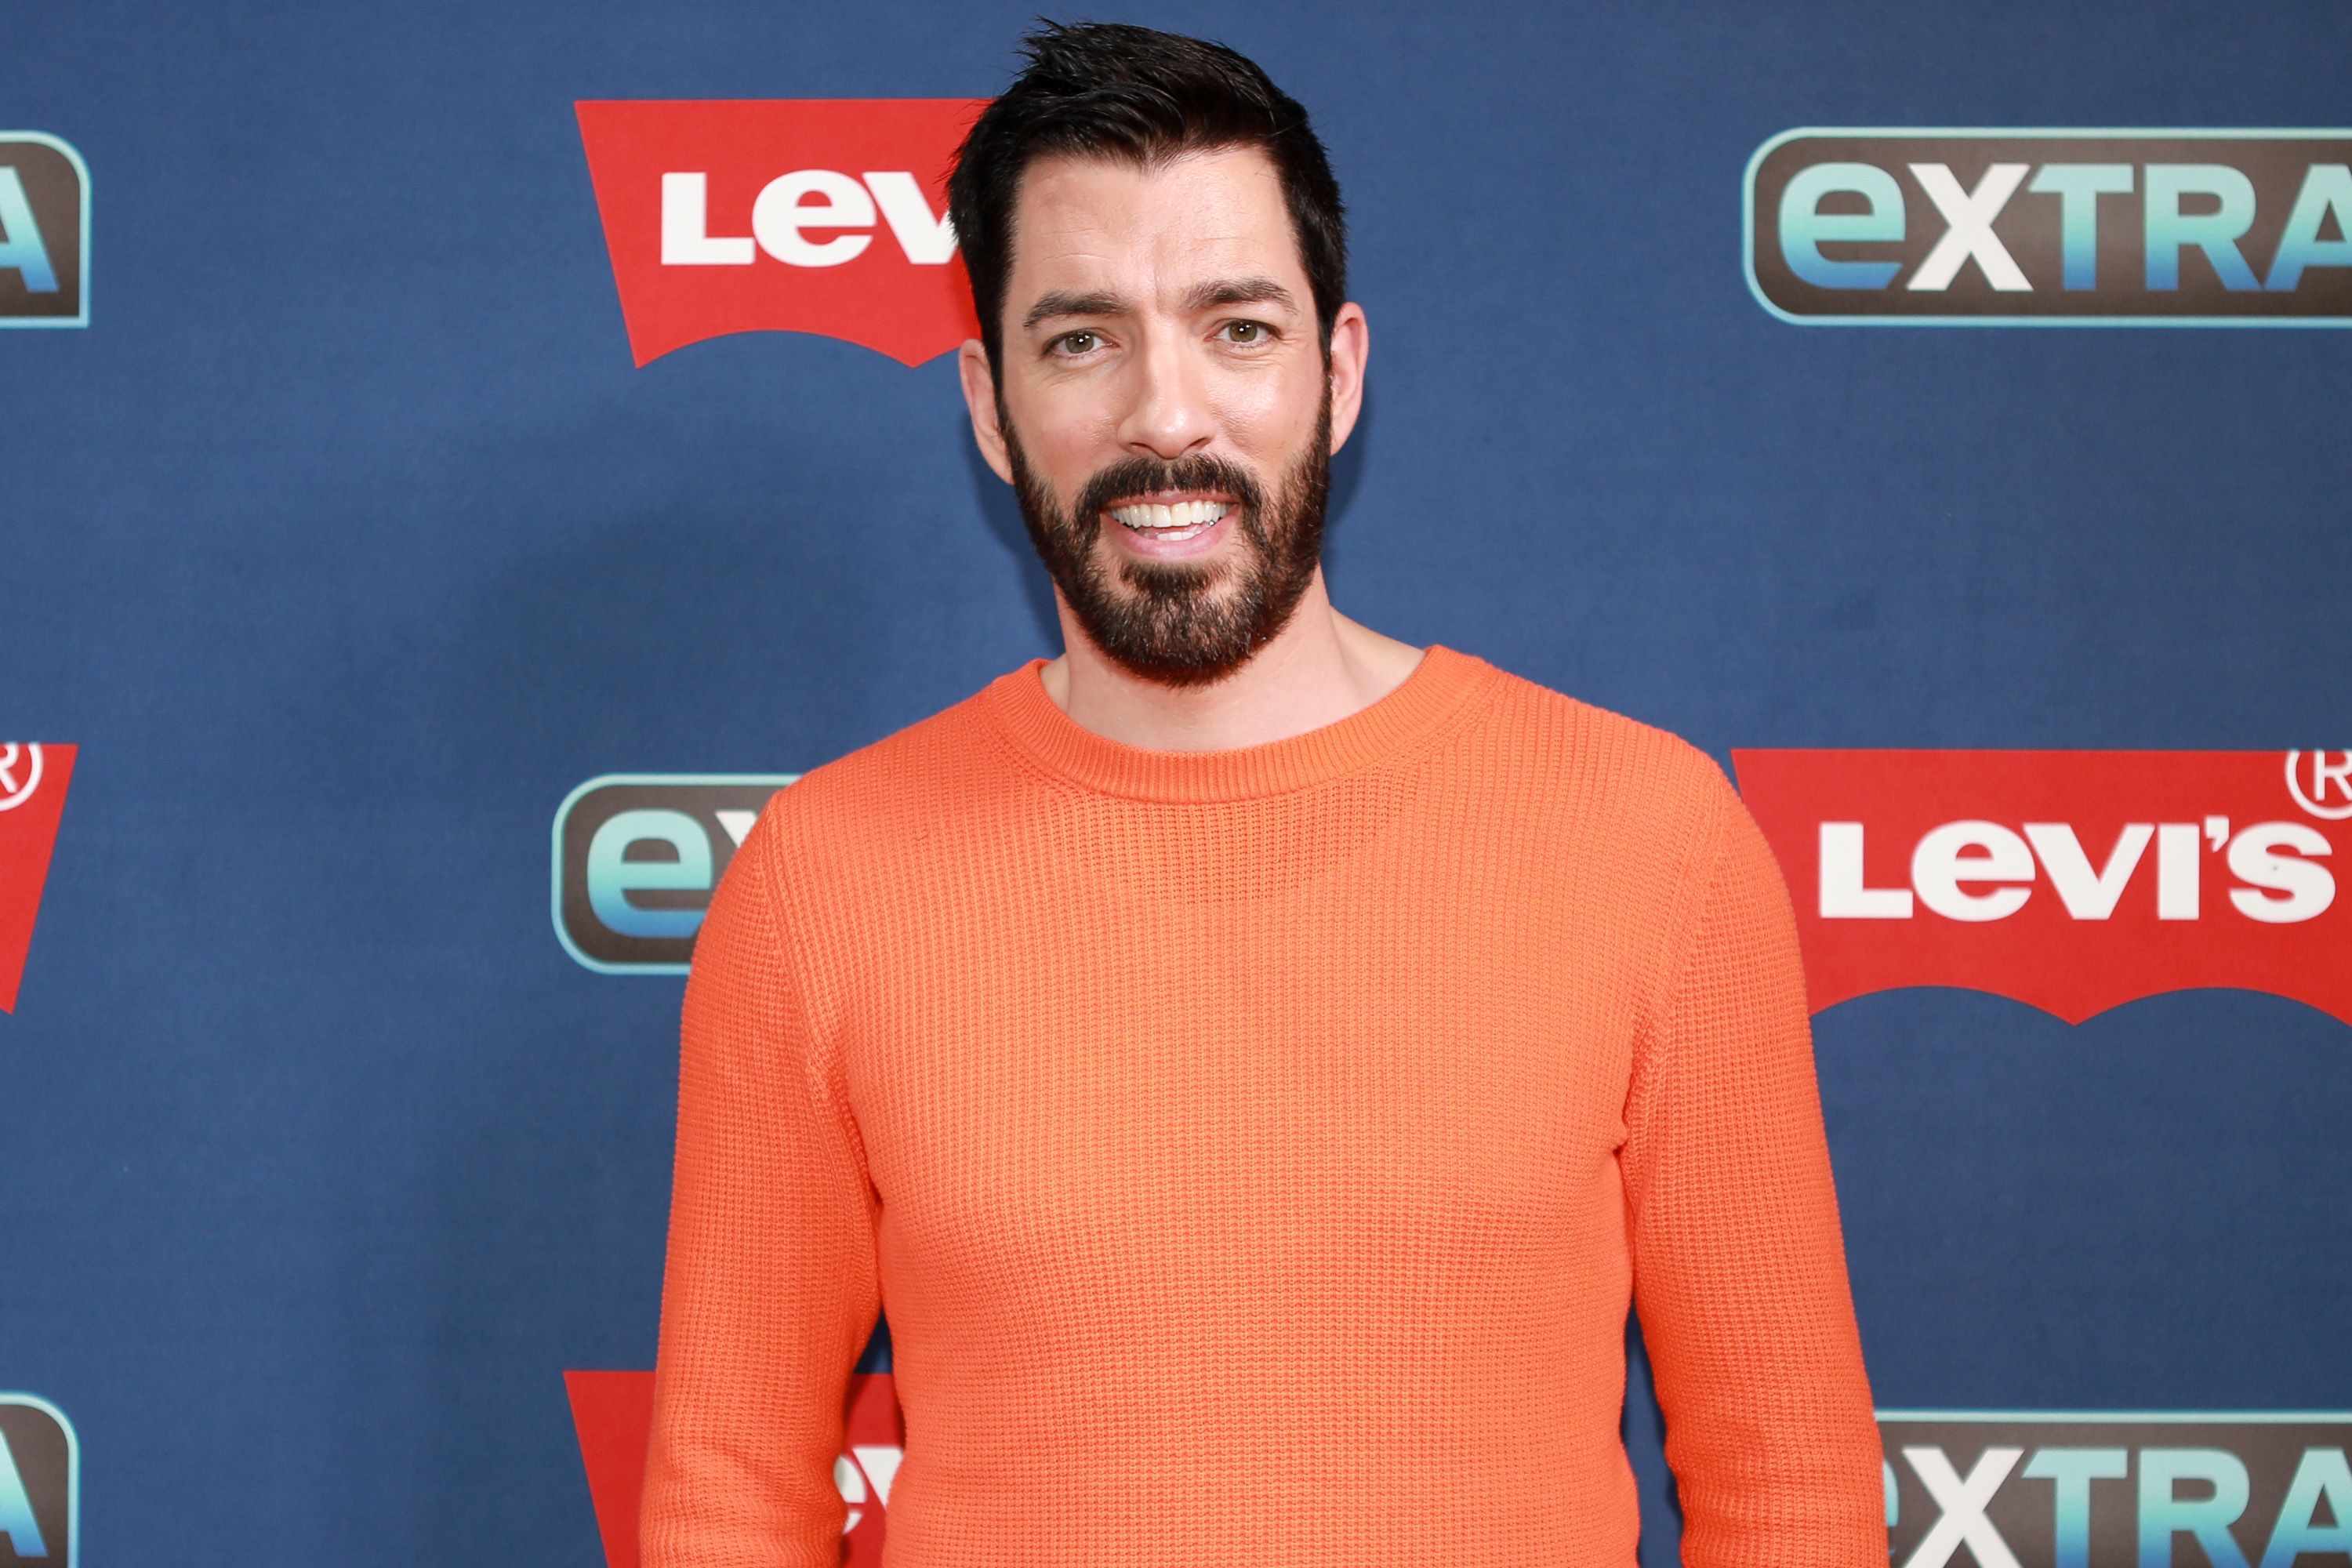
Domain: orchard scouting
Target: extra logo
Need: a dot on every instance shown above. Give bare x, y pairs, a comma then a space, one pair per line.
613, 1413
2119, 228
2073, 881
44, 231
637, 857
826, 216
40, 1483
33, 782
2116, 1490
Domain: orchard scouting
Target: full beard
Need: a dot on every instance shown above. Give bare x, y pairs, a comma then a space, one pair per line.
1179, 623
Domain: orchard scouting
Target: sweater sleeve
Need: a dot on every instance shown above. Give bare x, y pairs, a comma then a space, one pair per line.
1739, 1266
769, 1290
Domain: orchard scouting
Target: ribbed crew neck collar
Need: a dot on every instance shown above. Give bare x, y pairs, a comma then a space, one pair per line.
1436, 690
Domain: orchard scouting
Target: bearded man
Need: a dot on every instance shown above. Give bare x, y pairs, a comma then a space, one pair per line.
1255, 1062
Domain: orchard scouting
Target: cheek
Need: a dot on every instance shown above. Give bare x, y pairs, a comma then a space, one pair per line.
1271, 416
1068, 440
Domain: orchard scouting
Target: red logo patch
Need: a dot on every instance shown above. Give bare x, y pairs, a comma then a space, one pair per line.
613, 1413
826, 216
2074, 882
33, 782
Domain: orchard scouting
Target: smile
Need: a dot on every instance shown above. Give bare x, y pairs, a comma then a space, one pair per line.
1172, 522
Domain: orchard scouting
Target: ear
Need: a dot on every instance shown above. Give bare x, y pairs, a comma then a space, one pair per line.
980, 398
1351, 345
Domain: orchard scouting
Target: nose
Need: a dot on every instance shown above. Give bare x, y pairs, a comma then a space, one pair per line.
1168, 415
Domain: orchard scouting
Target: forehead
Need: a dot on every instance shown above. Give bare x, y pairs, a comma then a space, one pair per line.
1110, 223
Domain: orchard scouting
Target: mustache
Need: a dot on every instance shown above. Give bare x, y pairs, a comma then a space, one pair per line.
1141, 475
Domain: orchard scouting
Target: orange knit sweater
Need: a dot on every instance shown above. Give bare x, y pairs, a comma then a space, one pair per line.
1255, 1151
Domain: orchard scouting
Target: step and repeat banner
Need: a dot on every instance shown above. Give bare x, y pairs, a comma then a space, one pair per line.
471, 457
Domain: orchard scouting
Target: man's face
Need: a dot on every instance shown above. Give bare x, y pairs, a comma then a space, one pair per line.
1163, 408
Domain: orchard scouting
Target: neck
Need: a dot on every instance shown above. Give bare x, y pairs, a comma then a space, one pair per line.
1319, 669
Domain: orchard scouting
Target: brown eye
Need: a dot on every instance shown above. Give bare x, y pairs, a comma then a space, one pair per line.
1245, 332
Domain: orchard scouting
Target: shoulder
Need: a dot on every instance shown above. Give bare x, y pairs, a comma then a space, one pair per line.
1679, 815
888, 797
1643, 776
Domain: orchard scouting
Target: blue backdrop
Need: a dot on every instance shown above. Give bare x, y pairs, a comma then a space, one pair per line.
346, 541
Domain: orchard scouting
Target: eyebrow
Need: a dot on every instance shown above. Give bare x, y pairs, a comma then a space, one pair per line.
1239, 291
1256, 290
1062, 304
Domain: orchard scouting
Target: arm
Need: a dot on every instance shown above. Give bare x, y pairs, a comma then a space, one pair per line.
1738, 1264
769, 1290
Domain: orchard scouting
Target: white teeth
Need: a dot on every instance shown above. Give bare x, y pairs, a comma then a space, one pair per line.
1192, 516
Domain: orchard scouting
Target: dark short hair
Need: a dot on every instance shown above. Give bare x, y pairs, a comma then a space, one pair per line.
1105, 90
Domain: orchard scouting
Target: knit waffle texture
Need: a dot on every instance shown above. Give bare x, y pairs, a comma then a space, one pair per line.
1256, 1152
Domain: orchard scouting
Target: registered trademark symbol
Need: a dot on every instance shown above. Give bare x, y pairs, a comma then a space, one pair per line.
2331, 779
20, 773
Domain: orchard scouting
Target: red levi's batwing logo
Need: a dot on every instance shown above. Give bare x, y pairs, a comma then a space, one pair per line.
2074, 882
826, 216
33, 782
613, 1411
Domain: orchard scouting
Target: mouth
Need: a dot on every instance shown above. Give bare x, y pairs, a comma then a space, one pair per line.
1163, 522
